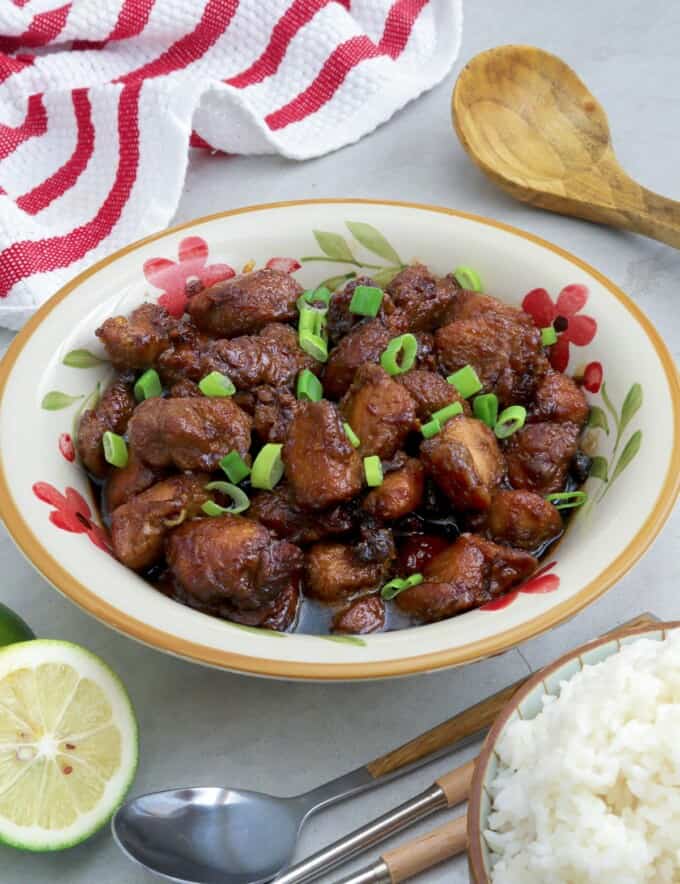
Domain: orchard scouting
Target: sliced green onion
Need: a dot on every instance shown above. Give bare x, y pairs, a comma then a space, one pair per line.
309, 386
466, 381
352, 436
115, 449
373, 471
148, 385
314, 345
235, 467
399, 584
268, 467
510, 420
431, 428
468, 278
216, 384
548, 336
400, 354
446, 413
485, 408
565, 500
366, 300
239, 498
311, 320
312, 296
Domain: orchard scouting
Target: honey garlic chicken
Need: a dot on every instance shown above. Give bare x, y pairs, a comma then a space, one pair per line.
350, 461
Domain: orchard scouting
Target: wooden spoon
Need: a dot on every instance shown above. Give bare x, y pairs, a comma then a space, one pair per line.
528, 121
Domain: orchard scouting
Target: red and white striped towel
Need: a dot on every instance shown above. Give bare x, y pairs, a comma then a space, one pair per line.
101, 99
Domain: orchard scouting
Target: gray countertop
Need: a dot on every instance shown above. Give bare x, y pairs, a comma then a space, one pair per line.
203, 726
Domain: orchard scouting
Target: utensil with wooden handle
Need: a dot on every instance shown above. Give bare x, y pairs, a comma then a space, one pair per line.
531, 124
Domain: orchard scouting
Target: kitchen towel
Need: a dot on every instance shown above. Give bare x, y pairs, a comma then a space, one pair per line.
100, 101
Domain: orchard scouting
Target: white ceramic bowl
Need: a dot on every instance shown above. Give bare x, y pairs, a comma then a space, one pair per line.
634, 433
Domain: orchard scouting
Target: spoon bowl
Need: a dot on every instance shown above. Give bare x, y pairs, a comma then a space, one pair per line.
532, 125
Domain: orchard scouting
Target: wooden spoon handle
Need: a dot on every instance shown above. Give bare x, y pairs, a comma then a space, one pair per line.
427, 851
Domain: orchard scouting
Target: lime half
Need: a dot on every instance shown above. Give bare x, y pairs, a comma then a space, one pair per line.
12, 627
68, 744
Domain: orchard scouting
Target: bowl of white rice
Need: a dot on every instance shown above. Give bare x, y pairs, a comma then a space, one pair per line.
579, 778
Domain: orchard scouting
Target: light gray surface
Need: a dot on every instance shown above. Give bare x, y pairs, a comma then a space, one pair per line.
202, 726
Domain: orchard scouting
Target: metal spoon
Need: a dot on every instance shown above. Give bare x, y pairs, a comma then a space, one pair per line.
528, 121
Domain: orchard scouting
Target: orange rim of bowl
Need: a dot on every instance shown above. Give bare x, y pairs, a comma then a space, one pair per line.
62, 580
474, 811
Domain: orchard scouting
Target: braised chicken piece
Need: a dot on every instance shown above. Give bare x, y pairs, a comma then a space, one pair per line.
139, 526
272, 413
471, 572
506, 354
559, 399
138, 340
244, 304
273, 357
278, 615
183, 359
340, 320
380, 411
539, 456
364, 343
334, 573
465, 462
423, 297
279, 511
361, 617
426, 355
471, 304
232, 559
401, 493
522, 519
190, 434
321, 465
431, 392
112, 412
125, 483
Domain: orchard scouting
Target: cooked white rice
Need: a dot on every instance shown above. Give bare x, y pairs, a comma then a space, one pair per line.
589, 790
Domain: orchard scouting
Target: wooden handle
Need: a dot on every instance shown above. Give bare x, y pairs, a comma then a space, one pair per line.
456, 783
422, 853
472, 720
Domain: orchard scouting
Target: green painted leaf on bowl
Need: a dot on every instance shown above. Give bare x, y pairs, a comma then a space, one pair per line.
334, 282
385, 277
333, 245
345, 639
598, 419
82, 359
257, 630
373, 240
631, 405
599, 468
55, 400
630, 449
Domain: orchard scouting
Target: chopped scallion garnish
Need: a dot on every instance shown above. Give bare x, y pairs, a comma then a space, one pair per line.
431, 428
373, 471
399, 584
510, 420
235, 467
548, 336
315, 345
309, 386
216, 385
485, 408
239, 498
268, 467
565, 500
115, 449
315, 296
366, 300
148, 385
400, 354
446, 413
352, 436
466, 381
468, 278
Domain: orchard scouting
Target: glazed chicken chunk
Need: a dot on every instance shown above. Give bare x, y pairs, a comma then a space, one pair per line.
321, 466
400, 493
139, 526
190, 434
232, 559
280, 512
431, 393
361, 617
112, 412
522, 519
334, 573
245, 304
364, 343
539, 456
380, 411
424, 298
465, 461
471, 572
559, 399
125, 483
138, 340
